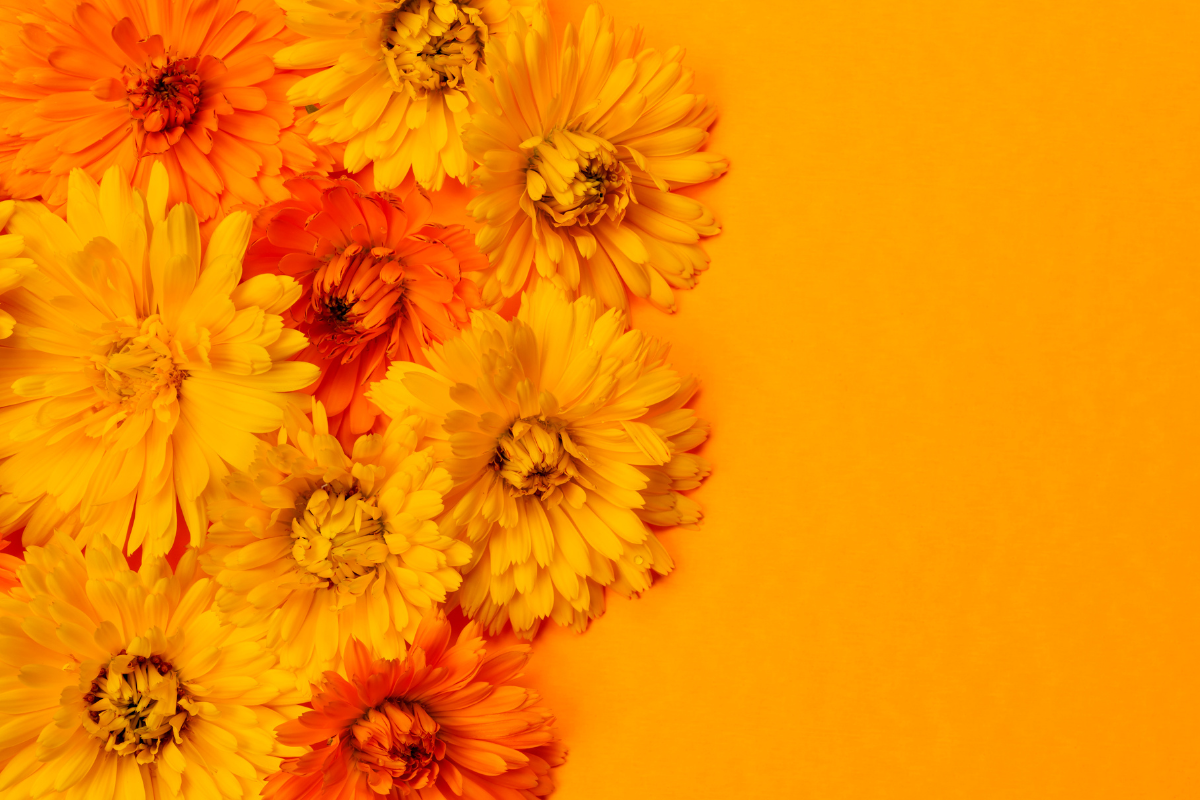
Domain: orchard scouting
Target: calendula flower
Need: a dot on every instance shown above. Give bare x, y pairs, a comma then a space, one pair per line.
580, 147
322, 546
392, 79
188, 84
139, 369
442, 723
565, 435
123, 684
380, 281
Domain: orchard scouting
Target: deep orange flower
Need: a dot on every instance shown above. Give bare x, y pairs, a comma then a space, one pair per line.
380, 282
439, 724
189, 83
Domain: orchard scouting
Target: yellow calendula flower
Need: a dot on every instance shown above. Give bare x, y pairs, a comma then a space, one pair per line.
139, 369
392, 79
321, 546
580, 147
566, 436
115, 683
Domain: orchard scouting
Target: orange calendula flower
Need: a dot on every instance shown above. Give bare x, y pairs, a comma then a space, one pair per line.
320, 546
580, 147
442, 723
566, 436
391, 83
124, 684
185, 83
380, 282
141, 367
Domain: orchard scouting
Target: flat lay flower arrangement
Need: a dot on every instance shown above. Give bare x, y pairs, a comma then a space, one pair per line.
292, 471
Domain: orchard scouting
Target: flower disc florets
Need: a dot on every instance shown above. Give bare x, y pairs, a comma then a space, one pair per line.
428, 43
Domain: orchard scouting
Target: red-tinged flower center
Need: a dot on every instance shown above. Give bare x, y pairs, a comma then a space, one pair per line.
397, 743
163, 97
356, 297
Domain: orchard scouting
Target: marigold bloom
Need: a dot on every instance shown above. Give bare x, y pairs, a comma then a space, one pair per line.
185, 83
392, 79
380, 281
580, 147
124, 684
139, 369
565, 436
322, 546
442, 723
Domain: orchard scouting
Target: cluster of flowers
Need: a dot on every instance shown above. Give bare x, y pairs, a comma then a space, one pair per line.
278, 455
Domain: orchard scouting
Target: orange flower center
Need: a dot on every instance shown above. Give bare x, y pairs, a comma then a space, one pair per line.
136, 705
582, 191
355, 298
163, 98
429, 43
397, 743
531, 458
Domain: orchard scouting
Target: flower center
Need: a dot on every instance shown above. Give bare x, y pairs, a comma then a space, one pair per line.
355, 298
576, 180
136, 704
397, 743
428, 43
531, 457
338, 533
136, 369
163, 96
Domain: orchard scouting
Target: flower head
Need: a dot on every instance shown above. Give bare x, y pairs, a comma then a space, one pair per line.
443, 722
137, 359
187, 84
580, 147
380, 282
322, 546
565, 435
124, 684
392, 83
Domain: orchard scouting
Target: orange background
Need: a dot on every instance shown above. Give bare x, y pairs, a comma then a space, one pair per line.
949, 342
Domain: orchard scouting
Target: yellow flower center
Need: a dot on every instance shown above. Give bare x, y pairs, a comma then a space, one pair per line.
428, 43
136, 368
577, 180
339, 538
531, 457
135, 704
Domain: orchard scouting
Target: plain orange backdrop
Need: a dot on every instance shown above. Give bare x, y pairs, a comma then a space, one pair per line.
949, 343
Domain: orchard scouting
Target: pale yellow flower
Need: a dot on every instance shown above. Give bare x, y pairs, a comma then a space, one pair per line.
321, 546
392, 79
139, 369
565, 436
581, 145
123, 684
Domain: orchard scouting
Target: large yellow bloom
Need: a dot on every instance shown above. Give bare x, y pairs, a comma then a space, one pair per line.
115, 683
580, 147
322, 546
392, 79
139, 369
565, 435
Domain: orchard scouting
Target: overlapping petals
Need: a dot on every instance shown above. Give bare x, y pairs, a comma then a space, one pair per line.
319, 546
380, 282
565, 434
581, 145
188, 84
139, 360
115, 683
443, 722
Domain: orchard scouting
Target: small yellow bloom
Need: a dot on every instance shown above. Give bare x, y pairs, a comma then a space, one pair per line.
581, 146
139, 369
392, 80
566, 436
115, 683
322, 546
